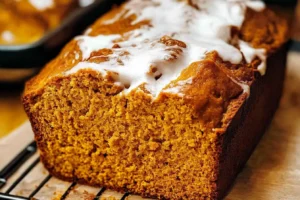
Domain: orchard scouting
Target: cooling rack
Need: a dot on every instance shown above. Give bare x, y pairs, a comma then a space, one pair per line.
29, 163
23, 176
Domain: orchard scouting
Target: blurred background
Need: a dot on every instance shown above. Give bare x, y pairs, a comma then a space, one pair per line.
22, 23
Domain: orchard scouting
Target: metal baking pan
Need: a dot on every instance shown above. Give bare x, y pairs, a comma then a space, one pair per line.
20, 61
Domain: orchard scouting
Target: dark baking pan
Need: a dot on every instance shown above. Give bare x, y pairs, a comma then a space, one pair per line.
282, 2
20, 61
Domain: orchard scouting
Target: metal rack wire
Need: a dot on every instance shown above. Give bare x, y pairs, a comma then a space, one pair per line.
10, 169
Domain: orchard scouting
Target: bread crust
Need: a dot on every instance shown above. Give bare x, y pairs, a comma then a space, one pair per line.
270, 38
250, 120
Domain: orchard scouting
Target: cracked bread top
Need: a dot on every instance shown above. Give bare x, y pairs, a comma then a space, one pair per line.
203, 50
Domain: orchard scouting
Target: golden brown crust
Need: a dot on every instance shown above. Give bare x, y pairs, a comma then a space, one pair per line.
248, 119
264, 30
271, 39
212, 90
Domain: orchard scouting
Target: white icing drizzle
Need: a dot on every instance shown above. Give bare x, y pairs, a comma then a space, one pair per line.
202, 30
244, 86
115, 18
176, 89
76, 56
89, 44
87, 31
256, 5
250, 53
42, 4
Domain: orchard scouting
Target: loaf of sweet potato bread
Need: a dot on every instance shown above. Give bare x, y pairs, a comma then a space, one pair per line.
162, 98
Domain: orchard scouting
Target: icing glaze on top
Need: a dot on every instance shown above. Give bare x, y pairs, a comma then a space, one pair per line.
179, 35
176, 89
42, 4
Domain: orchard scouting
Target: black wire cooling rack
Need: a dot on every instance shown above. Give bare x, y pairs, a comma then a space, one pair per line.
10, 170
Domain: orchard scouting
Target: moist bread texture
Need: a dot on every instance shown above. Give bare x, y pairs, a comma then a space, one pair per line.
188, 142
